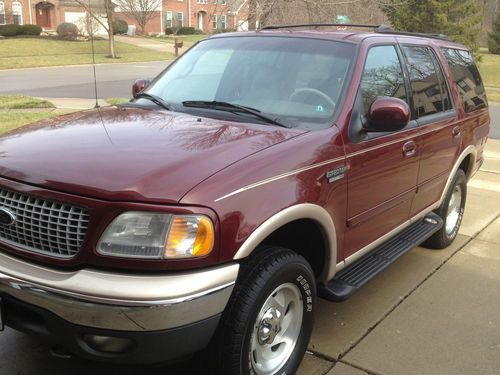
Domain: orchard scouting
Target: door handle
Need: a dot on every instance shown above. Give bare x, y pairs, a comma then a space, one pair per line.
409, 149
456, 131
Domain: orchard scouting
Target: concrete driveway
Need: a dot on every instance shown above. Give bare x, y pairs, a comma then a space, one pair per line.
432, 312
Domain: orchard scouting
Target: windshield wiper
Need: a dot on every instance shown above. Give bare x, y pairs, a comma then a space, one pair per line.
155, 99
230, 107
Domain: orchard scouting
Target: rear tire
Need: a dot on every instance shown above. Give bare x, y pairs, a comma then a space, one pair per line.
267, 324
452, 212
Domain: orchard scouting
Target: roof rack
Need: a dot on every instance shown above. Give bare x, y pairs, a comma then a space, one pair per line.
375, 27
382, 29
425, 35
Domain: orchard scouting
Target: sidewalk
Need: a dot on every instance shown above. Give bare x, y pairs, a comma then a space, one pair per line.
76, 104
147, 43
432, 312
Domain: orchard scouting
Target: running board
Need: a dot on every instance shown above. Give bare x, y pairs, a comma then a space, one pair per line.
354, 276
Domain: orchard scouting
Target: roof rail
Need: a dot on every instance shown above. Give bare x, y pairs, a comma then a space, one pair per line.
375, 27
425, 35
382, 29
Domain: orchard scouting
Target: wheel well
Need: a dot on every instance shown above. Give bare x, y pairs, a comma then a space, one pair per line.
305, 237
465, 165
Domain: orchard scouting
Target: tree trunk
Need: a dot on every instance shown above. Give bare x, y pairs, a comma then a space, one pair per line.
252, 15
111, 41
109, 15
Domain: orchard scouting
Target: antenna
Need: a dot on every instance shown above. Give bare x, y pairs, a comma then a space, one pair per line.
91, 26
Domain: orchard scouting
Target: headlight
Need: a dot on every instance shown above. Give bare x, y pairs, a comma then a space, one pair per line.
157, 236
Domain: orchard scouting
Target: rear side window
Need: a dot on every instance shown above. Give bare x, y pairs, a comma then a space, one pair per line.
430, 93
382, 76
466, 76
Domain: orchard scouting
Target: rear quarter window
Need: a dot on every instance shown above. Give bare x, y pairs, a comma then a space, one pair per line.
466, 75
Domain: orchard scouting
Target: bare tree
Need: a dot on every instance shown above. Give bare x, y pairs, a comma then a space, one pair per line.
106, 7
283, 12
142, 11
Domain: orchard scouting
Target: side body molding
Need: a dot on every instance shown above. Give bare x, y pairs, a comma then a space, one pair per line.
297, 212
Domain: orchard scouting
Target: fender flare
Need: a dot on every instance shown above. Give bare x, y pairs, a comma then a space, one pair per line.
469, 150
297, 212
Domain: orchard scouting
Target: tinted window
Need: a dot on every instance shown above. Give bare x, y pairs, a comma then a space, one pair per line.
430, 93
382, 76
465, 73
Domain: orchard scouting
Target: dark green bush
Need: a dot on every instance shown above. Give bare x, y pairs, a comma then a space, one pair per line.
186, 31
120, 26
494, 36
10, 30
31, 30
169, 31
67, 30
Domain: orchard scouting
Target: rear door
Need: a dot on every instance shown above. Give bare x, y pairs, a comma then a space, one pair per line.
382, 168
437, 120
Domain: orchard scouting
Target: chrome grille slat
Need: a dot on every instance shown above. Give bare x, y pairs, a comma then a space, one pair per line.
43, 226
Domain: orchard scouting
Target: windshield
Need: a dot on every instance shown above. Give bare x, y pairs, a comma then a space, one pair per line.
296, 81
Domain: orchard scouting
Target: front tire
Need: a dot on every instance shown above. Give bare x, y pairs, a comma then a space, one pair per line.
452, 212
267, 324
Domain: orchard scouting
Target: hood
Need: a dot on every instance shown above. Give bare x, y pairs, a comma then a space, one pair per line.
129, 154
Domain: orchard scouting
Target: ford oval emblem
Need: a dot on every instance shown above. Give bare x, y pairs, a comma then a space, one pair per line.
6, 217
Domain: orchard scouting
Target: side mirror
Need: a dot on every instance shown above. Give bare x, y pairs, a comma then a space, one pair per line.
387, 115
139, 86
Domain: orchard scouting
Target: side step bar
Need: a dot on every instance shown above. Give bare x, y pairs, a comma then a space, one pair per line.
354, 276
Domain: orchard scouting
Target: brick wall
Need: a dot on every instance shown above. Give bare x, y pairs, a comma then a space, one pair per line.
153, 26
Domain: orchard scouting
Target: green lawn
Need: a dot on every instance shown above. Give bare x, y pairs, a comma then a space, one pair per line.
490, 72
490, 68
36, 52
23, 102
12, 120
114, 101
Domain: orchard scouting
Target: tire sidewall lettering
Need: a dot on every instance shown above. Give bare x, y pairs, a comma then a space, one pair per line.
304, 284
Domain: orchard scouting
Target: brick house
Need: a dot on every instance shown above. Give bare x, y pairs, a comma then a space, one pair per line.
45, 13
206, 15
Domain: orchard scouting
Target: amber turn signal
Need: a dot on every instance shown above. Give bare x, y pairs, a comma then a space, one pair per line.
189, 236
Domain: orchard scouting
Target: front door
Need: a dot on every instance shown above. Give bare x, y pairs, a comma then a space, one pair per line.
200, 21
42, 15
382, 168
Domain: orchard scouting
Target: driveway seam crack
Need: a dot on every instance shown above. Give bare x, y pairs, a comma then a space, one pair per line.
369, 372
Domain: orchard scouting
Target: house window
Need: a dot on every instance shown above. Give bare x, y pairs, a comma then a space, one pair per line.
169, 18
224, 22
180, 19
17, 13
215, 21
221, 2
2, 13
202, 1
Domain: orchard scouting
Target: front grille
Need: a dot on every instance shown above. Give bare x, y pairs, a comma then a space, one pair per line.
43, 226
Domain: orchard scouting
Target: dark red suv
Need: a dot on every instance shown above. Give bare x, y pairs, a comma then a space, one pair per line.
256, 172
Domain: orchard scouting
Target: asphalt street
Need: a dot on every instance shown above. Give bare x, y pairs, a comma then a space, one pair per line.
113, 80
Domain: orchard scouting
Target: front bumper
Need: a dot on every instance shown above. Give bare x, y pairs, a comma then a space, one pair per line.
116, 304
